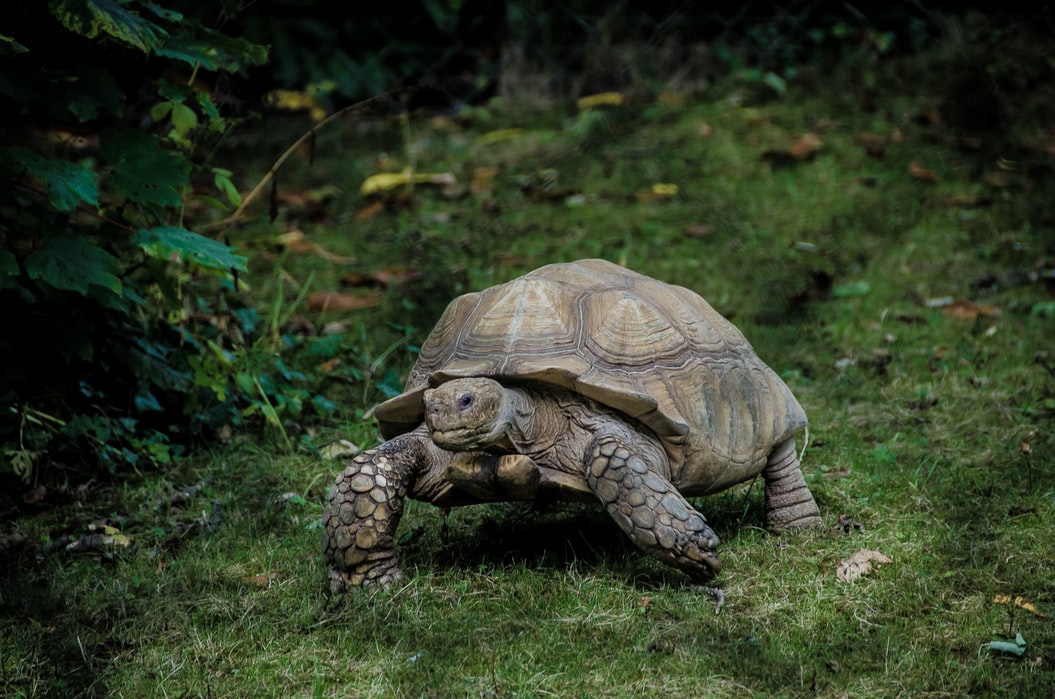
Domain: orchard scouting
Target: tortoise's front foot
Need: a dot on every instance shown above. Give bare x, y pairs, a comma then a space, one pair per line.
650, 510
361, 517
384, 573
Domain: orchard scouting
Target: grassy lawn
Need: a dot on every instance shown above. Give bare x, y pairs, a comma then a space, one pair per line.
893, 261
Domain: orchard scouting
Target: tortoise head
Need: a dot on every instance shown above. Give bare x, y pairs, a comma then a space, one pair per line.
467, 414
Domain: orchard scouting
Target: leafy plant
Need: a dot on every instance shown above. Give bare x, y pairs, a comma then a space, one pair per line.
102, 156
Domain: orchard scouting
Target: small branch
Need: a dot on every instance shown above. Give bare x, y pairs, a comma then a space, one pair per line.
273, 170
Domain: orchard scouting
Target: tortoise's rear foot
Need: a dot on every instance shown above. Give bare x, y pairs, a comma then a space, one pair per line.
789, 502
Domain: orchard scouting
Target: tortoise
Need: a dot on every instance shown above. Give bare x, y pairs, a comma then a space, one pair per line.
577, 381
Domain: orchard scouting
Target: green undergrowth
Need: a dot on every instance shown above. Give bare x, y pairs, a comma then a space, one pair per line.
912, 314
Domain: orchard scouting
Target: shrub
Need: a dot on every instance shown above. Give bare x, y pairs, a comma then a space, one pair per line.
104, 148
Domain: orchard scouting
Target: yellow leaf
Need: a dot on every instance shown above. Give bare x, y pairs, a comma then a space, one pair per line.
601, 99
1020, 602
385, 181
294, 101
665, 189
499, 135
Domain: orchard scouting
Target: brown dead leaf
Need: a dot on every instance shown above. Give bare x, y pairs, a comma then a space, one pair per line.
921, 173
310, 202
806, 147
859, 564
698, 230
370, 210
384, 278
322, 301
965, 309
329, 365
259, 580
296, 241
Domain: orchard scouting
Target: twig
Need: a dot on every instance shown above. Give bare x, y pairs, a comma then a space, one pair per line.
273, 170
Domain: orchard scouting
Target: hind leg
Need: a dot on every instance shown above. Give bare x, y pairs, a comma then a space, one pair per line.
789, 502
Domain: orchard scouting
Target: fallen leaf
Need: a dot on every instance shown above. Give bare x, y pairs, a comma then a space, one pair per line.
322, 301
296, 241
329, 366
384, 278
801, 150
601, 99
295, 101
806, 147
370, 210
310, 202
386, 181
965, 309
1020, 602
658, 192
698, 230
921, 173
859, 564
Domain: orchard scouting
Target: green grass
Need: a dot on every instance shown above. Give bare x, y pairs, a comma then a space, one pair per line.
919, 428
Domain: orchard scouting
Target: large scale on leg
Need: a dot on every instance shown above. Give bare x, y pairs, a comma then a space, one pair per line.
577, 381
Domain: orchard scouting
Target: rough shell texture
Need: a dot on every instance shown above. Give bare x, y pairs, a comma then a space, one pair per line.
653, 351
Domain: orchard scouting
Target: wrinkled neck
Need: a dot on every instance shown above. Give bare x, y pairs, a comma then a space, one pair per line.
533, 422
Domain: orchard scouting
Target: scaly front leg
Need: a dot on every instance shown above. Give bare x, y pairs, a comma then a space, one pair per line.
366, 503
649, 509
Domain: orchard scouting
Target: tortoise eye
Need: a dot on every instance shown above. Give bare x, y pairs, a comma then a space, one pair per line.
465, 401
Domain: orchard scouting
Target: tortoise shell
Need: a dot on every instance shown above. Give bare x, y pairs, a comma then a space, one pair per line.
655, 352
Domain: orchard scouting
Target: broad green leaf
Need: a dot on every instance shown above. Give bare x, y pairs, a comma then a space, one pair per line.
68, 183
222, 180
160, 110
91, 17
73, 264
143, 170
214, 51
182, 245
183, 118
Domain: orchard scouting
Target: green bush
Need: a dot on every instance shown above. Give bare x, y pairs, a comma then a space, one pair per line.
104, 152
